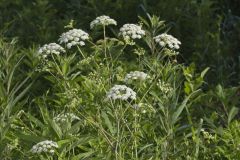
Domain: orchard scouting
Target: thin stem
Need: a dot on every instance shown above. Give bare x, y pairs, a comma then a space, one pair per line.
119, 53
104, 133
105, 52
135, 134
58, 68
117, 111
105, 43
92, 43
66, 85
81, 52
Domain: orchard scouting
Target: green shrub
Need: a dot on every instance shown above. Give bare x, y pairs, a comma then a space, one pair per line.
108, 98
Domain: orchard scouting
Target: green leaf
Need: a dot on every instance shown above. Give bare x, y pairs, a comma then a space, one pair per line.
44, 113
29, 138
34, 120
56, 128
79, 142
75, 128
65, 68
11, 74
233, 112
108, 122
144, 147
144, 21
187, 88
179, 110
220, 92
83, 155
203, 73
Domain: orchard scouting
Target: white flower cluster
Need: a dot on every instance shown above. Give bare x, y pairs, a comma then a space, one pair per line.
102, 21
135, 75
121, 92
46, 146
166, 40
65, 117
51, 48
74, 37
86, 61
131, 31
164, 87
207, 135
170, 52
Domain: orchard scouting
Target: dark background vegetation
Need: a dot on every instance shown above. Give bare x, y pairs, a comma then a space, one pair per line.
208, 29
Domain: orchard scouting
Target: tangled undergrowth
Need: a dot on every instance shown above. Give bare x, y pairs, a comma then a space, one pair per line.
111, 94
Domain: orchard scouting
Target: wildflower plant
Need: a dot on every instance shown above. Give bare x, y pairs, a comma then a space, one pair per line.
164, 87
122, 99
74, 37
46, 146
135, 75
166, 40
131, 32
52, 48
102, 21
67, 117
101, 109
121, 92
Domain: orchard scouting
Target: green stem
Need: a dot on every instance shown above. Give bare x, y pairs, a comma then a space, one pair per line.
58, 68
105, 52
96, 126
81, 52
119, 53
66, 85
105, 43
135, 134
117, 112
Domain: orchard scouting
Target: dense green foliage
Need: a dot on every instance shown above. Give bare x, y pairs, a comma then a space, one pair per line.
187, 107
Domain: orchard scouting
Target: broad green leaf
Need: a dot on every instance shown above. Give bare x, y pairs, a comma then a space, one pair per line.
108, 122
56, 128
203, 73
233, 112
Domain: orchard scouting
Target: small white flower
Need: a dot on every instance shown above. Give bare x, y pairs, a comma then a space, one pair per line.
166, 40
136, 75
65, 117
74, 37
144, 111
102, 21
51, 48
46, 146
164, 87
51, 151
121, 92
131, 31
